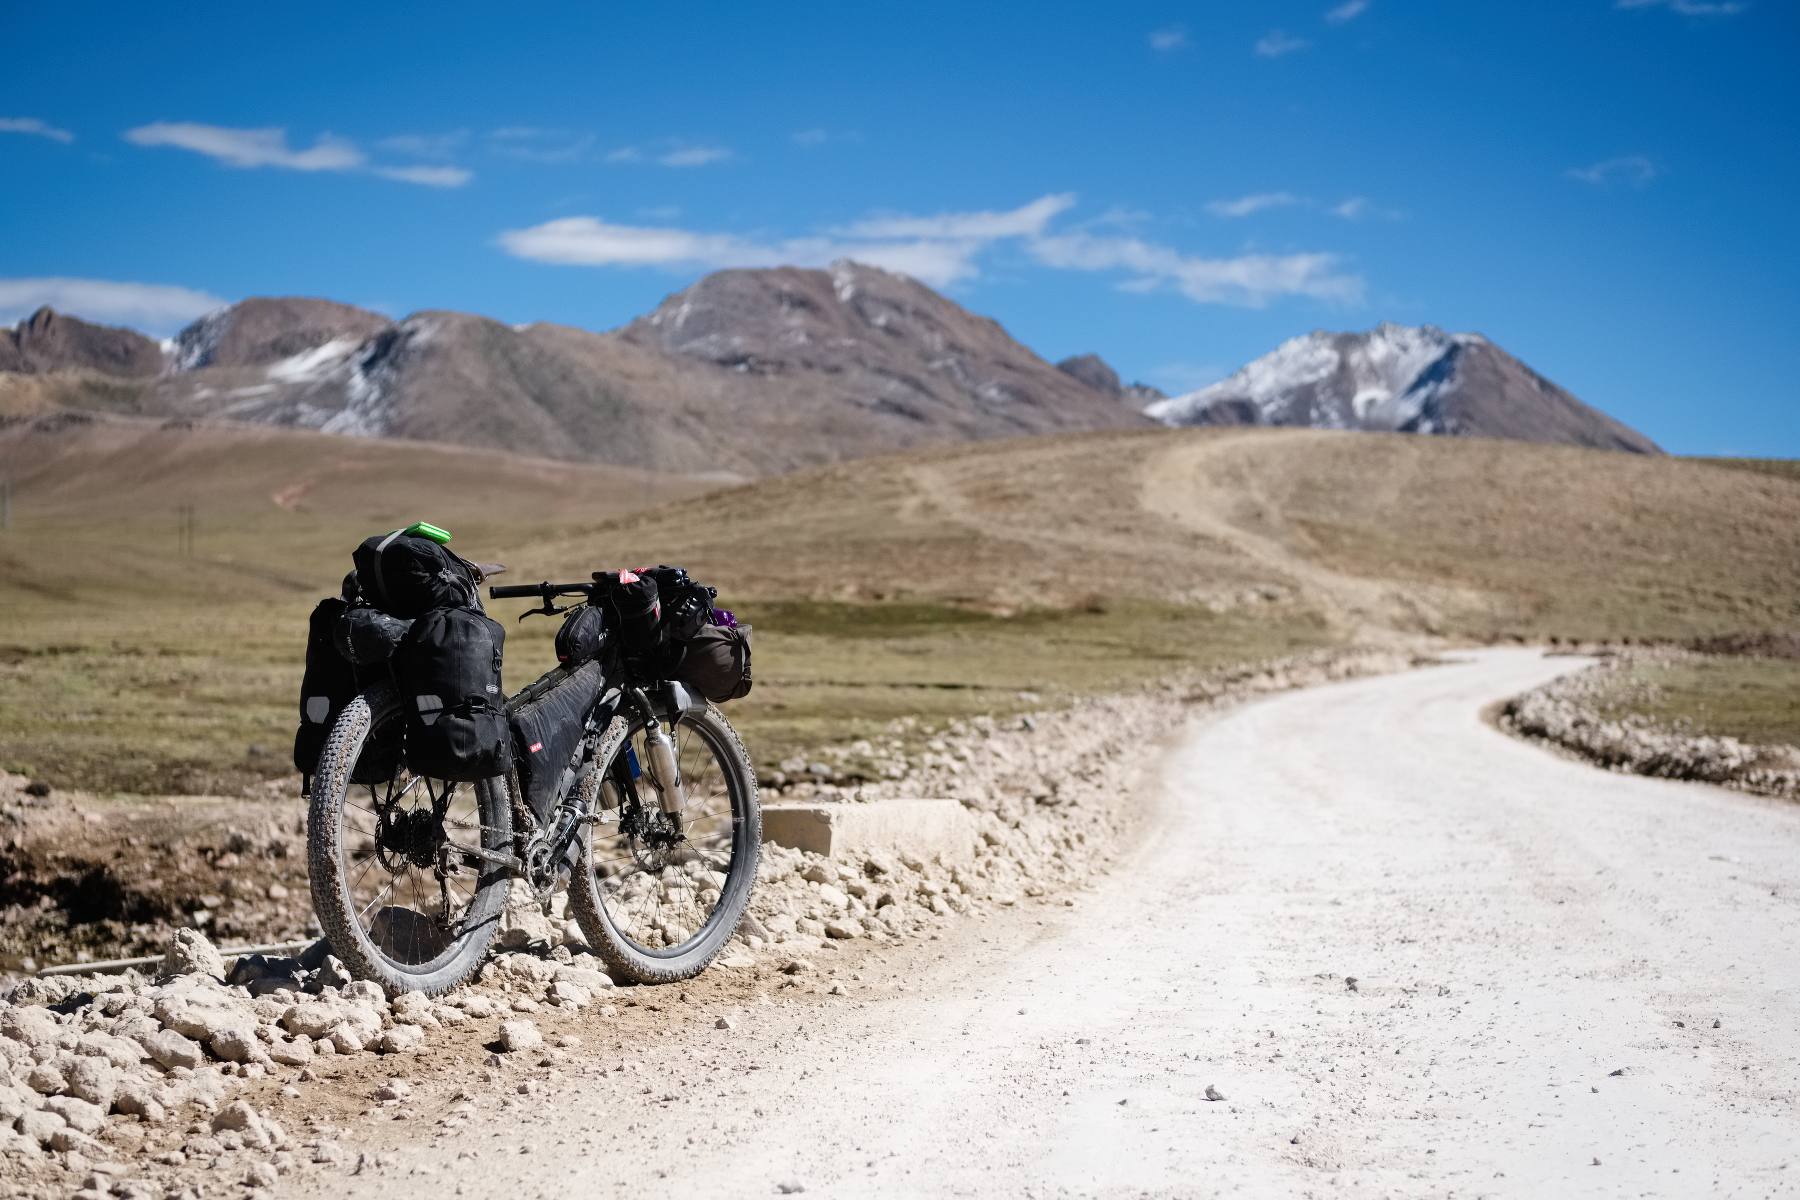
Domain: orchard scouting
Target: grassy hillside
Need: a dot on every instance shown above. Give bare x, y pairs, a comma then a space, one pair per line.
935, 584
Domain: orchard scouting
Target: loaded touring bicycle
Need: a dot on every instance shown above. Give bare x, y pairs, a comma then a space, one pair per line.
613, 776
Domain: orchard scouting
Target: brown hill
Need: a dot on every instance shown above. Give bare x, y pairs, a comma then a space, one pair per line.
49, 341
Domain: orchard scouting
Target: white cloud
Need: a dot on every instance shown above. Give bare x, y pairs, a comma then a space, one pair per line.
1027, 220
625, 154
438, 177
1249, 280
946, 248
1245, 206
1347, 11
1634, 169
1689, 8
1169, 39
36, 128
249, 147
1275, 43
156, 307
693, 156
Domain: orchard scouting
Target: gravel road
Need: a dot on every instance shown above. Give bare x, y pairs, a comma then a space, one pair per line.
1407, 955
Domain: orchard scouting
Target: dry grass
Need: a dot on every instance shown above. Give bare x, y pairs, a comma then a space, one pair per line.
933, 585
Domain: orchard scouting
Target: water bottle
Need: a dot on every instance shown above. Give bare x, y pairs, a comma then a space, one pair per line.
664, 772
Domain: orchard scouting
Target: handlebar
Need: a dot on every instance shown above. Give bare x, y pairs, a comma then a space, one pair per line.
541, 591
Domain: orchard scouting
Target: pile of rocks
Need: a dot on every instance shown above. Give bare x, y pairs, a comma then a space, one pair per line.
1568, 713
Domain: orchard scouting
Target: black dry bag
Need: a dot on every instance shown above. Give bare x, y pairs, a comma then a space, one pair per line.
449, 675
406, 575
716, 663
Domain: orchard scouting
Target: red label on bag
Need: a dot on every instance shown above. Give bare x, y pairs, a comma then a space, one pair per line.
536, 746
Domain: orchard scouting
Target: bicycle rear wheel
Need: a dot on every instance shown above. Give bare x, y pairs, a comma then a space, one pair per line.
399, 897
657, 895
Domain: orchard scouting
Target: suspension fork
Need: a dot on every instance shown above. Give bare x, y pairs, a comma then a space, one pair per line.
659, 748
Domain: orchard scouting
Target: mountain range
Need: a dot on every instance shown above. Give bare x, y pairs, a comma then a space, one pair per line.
749, 372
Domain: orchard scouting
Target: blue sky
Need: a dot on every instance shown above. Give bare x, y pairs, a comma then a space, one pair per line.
1607, 188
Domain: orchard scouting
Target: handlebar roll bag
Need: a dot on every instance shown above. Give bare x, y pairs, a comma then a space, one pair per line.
449, 676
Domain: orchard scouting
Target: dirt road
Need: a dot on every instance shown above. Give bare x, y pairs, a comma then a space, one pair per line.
1564, 982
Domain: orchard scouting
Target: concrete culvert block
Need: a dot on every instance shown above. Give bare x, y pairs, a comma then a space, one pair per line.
921, 829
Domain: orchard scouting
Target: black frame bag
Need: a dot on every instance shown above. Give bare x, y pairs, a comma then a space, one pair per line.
548, 720
449, 676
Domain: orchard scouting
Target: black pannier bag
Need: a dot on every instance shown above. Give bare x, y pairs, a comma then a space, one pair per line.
449, 676
634, 609
547, 720
582, 634
716, 662
327, 687
406, 575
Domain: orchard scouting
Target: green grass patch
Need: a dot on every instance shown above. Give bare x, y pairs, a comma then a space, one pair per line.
1753, 699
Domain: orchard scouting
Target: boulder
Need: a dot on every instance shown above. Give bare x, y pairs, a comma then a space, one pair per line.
189, 953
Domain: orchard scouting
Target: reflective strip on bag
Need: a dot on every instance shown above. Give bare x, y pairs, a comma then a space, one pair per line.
318, 708
430, 708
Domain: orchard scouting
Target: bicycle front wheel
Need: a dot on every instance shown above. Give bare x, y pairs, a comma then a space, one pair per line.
400, 897
657, 894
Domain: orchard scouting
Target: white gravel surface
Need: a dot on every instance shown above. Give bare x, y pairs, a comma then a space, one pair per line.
1565, 982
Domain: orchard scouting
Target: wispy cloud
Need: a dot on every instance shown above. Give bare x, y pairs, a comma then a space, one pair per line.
813, 138
425, 145
427, 176
1249, 280
624, 154
1275, 43
156, 307
529, 143
1026, 221
248, 149
1169, 39
1360, 208
1245, 206
946, 248
35, 128
1347, 11
1633, 169
693, 156
1689, 8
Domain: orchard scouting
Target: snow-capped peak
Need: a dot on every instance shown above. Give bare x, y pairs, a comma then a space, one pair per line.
1383, 379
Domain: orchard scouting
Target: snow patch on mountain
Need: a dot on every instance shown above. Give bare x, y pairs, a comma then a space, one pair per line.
309, 366
1389, 378
194, 346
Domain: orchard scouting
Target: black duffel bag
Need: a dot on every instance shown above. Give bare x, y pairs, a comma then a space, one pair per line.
367, 636
716, 662
548, 719
406, 575
449, 676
